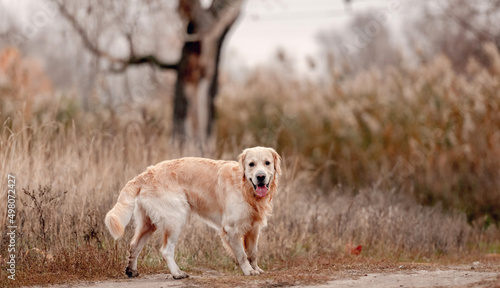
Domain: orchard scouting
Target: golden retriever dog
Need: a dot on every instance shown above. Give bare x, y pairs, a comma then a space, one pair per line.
233, 197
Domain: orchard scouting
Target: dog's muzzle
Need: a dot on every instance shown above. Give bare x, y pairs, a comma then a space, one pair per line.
262, 187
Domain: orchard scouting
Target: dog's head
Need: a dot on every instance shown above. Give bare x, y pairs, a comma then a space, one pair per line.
261, 166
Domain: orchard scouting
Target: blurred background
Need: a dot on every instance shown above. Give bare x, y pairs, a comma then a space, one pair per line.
399, 96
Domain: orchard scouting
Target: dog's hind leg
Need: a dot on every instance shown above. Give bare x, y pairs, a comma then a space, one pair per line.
170, 237
143, 231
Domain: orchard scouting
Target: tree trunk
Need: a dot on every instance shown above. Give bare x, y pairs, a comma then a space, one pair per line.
197, 68
197, 78
188, 75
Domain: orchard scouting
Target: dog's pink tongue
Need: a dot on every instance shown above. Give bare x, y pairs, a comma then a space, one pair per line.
261, 191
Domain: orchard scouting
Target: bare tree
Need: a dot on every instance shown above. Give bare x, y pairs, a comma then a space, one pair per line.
365, 43
457, 28
197, 67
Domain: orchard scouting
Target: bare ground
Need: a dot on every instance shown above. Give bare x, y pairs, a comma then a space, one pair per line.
420, 278
411, 275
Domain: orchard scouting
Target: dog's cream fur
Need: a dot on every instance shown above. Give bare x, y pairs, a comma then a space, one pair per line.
233, 197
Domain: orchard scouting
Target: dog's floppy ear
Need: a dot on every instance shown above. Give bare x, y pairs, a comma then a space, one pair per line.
241, 160
277, 161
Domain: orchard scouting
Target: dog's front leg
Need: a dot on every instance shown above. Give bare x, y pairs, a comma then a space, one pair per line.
234, 240
251, 241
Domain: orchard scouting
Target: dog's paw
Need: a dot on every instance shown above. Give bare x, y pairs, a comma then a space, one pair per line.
254, 272
181, 275
257, 268
249, 271
131, 273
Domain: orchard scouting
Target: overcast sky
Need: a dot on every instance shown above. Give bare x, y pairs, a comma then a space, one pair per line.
266, 25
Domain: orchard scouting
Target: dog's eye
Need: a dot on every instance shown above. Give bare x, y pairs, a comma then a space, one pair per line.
251, 164
268, 163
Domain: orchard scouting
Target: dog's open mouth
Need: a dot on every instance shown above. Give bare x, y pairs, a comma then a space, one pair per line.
261, 189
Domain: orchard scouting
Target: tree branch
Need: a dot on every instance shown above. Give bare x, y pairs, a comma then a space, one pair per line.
465, 24
85, 38
218, 7
123, 63
151, 59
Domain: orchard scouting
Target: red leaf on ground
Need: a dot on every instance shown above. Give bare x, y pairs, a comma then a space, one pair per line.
353, 249
357, 250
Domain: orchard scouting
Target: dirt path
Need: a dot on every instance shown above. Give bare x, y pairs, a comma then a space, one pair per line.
459, 277
420, 278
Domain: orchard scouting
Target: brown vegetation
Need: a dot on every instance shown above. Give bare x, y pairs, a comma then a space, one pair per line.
427, 131
367, 160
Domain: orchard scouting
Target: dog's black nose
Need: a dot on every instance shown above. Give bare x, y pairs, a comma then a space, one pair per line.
261, 178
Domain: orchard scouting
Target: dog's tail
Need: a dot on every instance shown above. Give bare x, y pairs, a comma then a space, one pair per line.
118, 217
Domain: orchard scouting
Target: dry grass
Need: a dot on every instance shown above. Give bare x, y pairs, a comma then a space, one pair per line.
70, 165
426, 130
